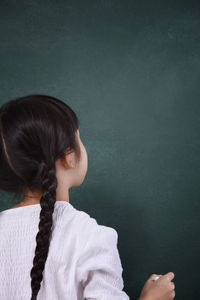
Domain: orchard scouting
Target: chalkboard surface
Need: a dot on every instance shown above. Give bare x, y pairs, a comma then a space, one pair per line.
131, 71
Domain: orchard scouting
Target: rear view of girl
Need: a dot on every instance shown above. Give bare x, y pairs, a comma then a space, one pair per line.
49, 250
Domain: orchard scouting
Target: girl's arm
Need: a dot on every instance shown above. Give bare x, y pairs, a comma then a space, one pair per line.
99, 267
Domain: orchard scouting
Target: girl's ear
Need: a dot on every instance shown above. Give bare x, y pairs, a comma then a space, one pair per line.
69, 160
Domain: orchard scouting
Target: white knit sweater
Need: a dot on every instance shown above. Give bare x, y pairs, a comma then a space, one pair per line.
83, 260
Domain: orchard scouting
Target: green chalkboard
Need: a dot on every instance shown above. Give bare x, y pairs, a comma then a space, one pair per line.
131, 71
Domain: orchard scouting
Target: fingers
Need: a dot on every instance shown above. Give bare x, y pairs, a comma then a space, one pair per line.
173, 295
169, 275
172, 285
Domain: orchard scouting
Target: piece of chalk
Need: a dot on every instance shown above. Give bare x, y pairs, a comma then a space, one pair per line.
155, 278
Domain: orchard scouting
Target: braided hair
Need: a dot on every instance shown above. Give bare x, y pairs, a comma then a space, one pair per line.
41, 129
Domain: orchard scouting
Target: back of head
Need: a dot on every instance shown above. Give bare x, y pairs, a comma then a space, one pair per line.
35, 131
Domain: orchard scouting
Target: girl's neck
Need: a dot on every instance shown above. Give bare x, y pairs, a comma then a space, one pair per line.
26, 202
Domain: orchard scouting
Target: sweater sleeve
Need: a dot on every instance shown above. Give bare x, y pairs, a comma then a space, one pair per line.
99, 266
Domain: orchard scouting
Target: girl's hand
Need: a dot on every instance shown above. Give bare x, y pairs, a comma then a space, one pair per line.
160, 289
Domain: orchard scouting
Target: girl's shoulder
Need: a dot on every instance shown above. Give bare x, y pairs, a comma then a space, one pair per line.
85, 227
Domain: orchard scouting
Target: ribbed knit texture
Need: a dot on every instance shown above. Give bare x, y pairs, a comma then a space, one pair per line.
83, 260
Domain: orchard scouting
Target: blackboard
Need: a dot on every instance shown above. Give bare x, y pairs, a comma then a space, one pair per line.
131, 71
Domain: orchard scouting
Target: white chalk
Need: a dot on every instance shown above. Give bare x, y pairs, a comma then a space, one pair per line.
155, 278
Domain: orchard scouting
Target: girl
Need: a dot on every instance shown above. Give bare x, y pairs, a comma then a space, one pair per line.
49, 250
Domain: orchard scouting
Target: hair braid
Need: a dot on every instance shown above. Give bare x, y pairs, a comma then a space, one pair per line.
47, 202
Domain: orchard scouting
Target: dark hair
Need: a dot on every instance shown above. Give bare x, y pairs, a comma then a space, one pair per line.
35, 131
